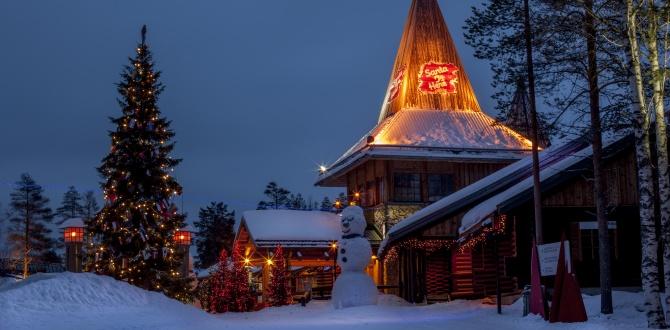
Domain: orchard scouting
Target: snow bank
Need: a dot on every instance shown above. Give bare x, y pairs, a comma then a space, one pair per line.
86, 301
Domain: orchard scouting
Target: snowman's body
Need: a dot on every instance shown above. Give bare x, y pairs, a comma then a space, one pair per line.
353, 287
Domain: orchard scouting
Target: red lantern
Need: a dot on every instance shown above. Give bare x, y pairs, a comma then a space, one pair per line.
73, 234
182, 237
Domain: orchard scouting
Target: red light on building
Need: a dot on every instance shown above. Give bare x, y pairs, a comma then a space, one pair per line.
182, 237
73, 234
438, 78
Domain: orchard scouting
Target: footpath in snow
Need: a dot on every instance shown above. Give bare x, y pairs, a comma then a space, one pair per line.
87, 301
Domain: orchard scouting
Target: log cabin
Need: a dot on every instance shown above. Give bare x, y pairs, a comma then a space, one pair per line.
492, 222
309, 243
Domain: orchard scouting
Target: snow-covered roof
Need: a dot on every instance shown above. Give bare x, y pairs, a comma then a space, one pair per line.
486, 209
435, 134
292, 227
72, 222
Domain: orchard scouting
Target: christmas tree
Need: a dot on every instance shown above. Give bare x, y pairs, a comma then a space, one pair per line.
240, 296
278, 288
134, 230
219, 285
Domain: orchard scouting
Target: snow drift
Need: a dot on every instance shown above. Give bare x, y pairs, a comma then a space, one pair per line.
87, 301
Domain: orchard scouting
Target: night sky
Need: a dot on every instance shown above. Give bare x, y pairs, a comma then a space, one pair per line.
256, 90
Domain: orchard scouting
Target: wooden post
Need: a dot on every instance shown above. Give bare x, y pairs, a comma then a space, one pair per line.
498, 289
73, 257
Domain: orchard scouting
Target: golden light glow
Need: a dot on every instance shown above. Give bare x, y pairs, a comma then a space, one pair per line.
269, 262
357, 194
73, 234
334, 245
181, 236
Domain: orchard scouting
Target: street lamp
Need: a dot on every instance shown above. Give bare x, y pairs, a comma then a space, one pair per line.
73, 236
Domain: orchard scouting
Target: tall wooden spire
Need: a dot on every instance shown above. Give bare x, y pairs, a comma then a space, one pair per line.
427, 74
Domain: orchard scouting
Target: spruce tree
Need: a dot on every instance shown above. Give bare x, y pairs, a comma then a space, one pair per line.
278, 288
30, 214
240, 295
89, 206
277, 197
134, 230
220, 286
215, 232
326, 204
71, 206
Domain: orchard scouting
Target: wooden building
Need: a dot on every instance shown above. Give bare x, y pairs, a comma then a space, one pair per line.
432, 138
492, 223
309, 243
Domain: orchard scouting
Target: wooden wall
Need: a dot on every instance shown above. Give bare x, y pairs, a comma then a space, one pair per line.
620, 184
376, 176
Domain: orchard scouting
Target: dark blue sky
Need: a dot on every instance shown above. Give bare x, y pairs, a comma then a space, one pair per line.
257, 90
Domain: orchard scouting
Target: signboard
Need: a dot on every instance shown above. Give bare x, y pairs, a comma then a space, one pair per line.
396, 83
437, 78
593, 225
548, 255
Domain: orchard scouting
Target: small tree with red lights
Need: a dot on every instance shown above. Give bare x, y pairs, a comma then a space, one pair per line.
279, 291
240, 296
219, 284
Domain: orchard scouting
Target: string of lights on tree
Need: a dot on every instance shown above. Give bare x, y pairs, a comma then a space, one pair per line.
229, 284
133, 233
278, 287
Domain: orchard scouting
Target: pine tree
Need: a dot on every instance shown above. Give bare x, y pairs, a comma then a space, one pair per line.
326, 204
30, 214
278, 288
90, 208
219, 282
71, 206
277, 197
135, 228
215, 232
296, 202
240, 295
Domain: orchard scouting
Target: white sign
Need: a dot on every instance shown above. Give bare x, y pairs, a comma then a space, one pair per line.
593, 225
548, 254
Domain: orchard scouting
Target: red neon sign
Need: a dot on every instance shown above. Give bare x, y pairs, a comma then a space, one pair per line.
437, 78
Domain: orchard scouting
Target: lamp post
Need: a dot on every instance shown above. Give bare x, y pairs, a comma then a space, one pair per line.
182, 239
73, 236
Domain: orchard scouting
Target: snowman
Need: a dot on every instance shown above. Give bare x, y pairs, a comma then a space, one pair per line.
353, 287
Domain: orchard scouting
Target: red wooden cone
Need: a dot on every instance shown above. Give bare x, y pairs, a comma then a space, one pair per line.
536, 295
567, 304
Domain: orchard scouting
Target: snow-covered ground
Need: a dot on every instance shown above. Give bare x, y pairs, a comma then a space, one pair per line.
86, 301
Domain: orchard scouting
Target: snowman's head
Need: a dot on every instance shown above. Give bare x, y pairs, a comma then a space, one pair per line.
353, 221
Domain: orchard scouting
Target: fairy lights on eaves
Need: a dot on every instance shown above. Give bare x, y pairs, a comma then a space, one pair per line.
135, 229
431, 245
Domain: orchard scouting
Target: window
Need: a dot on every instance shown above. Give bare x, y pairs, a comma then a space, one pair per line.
439, 185
406, 187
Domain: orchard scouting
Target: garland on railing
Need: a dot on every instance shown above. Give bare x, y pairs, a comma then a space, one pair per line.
497, 228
